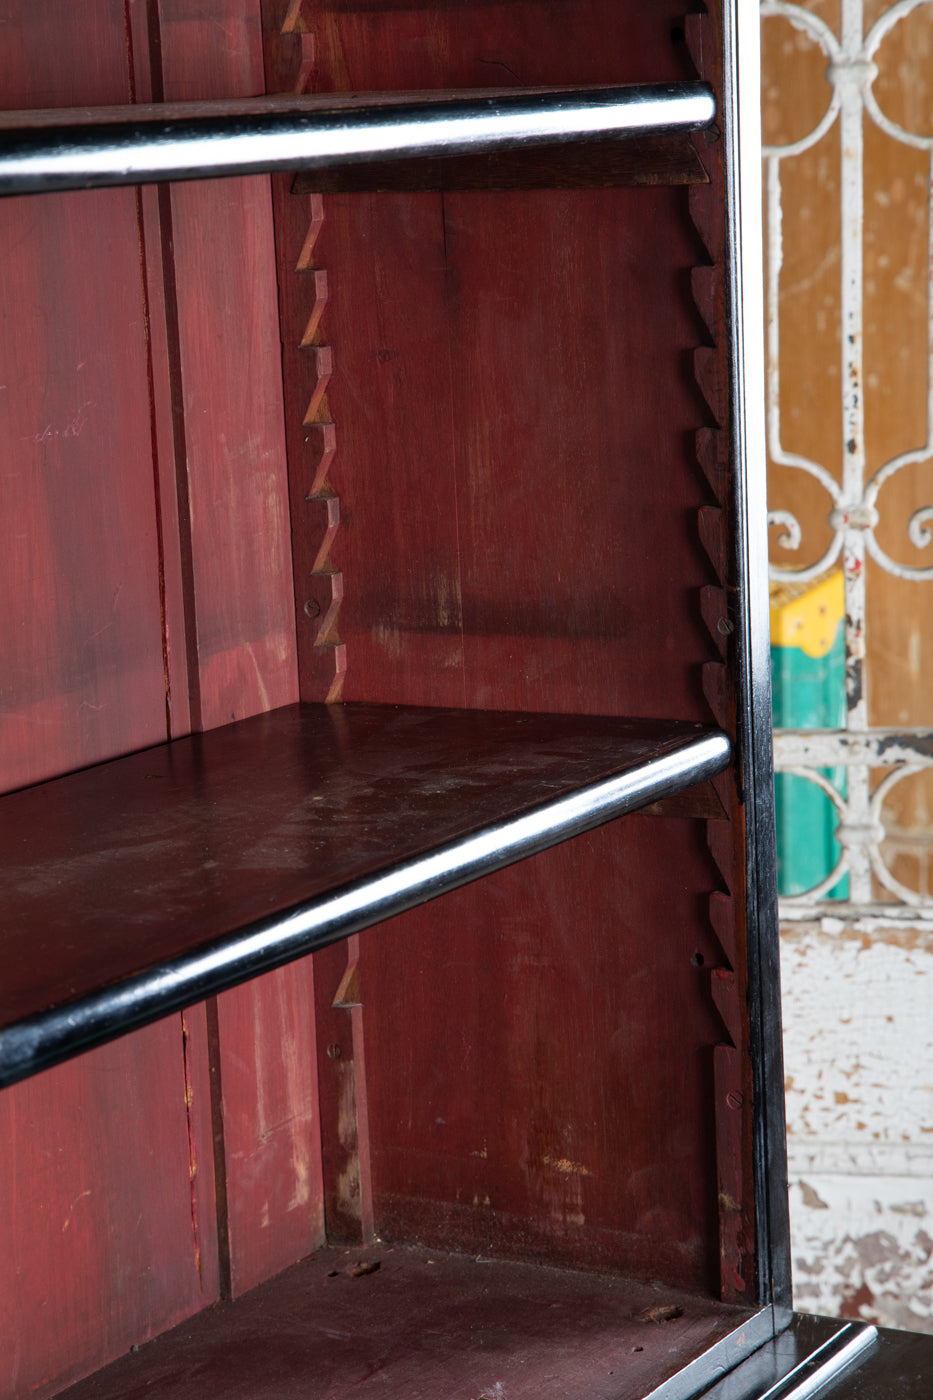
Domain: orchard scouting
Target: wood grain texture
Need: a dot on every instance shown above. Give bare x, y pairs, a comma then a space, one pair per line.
524, 566
344, 1094
521, 1099
105, 1226
109, 1235
515, 422
237, 496
81, 632
425, 1324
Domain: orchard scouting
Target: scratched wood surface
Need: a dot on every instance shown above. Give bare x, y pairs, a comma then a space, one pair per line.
146, 576
508, 416
108, 1236
399, 1323
241, 599
514, 525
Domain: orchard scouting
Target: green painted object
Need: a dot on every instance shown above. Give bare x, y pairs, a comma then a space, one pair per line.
808, 679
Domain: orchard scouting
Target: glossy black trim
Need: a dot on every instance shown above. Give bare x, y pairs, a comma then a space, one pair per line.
37, 157
814, 1356
753, 736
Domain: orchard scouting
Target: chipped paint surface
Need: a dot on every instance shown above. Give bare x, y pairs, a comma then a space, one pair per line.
850, 437
858, 1029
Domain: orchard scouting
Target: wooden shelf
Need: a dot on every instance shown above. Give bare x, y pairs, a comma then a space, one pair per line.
425, 1324
669, 158
143, 885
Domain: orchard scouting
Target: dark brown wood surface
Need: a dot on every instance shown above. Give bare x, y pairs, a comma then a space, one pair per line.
668, 159
122, 869
180, 108
415, 1324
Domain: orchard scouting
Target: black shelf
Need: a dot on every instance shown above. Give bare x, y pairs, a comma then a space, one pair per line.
141, 886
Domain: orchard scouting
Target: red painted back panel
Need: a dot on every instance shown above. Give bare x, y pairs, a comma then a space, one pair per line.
514, 413
98, 1234
231, 382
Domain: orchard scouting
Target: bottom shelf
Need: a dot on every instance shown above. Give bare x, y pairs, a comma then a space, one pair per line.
408, 1323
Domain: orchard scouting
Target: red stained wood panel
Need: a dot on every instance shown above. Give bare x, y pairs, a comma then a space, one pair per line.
231, 387
106, 1236
487, 43
109, 1235
523, 1096
537, 527
514, 406
243, 614
271, 1124
83, 671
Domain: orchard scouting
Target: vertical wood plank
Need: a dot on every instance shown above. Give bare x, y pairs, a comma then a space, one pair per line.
243, 610
108, 1236
100, 1235
81, 629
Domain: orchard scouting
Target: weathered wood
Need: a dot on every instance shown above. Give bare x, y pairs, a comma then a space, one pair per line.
515, 419
105, 1237
240, 611
211, 848
489, 401
404, 1322
109, 1234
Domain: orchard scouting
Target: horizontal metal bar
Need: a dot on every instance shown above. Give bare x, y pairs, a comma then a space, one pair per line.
47, 151
829, 748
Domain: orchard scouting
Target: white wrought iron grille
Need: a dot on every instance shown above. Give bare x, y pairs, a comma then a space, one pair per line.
874, 760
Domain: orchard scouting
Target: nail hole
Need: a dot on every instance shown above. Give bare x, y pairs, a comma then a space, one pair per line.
698, 960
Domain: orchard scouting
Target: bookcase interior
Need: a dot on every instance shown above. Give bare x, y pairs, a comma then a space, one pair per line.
360, 448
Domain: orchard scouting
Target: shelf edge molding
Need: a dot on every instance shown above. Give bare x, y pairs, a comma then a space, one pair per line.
37, 1041
43, 152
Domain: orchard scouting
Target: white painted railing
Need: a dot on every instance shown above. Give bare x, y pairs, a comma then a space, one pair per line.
854, 498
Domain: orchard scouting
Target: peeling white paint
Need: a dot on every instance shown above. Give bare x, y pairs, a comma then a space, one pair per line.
858, 1044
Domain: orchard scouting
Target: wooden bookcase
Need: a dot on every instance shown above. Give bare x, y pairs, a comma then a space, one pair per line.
369, 533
